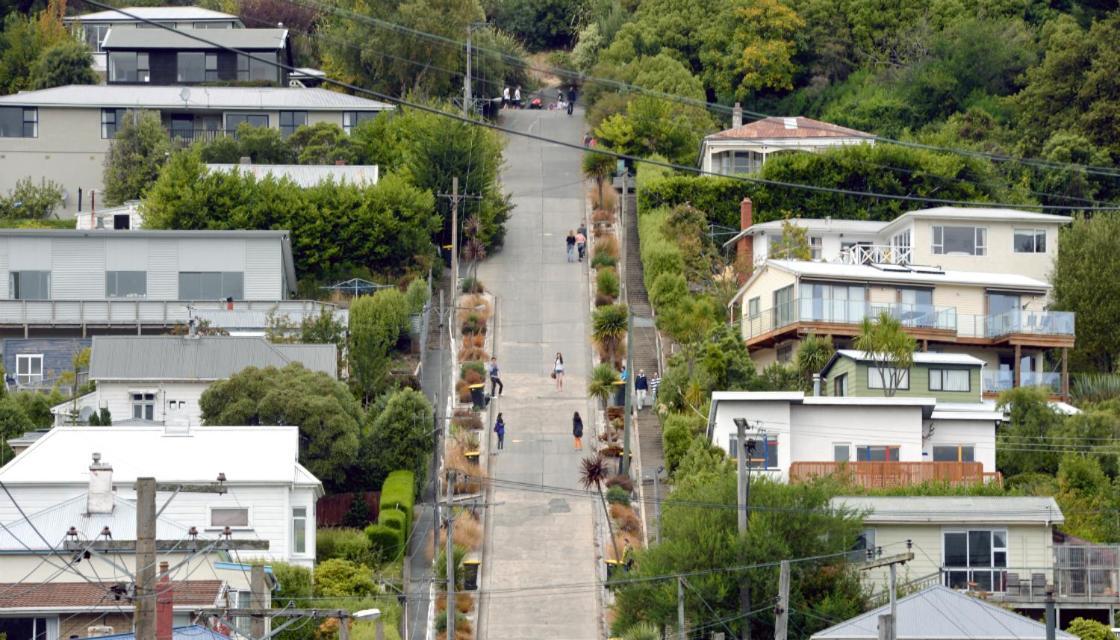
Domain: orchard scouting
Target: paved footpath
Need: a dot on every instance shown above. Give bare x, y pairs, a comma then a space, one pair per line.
539, 538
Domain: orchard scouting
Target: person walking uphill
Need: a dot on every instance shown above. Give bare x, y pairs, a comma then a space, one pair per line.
558, 371
496, 386
581, 244
577, 430
500, 429
641, 386
571, 99
571, 242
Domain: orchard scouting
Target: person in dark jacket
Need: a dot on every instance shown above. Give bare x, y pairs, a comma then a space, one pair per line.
500, 429
641, 386
571, 99
577, 430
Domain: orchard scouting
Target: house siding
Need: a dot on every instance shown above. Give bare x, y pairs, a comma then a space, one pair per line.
117, 397
77, 269
858, 382
58, 355
1000, 254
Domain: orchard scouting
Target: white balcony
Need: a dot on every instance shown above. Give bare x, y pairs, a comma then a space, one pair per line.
876, 254
141, 314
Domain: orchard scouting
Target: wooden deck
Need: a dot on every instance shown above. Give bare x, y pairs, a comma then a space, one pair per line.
894, 474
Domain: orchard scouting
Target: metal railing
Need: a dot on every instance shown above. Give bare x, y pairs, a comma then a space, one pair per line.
876, 254
194, 135
849, 312
1003, 380
1049, 323
894, 474
1029, 584
135, 312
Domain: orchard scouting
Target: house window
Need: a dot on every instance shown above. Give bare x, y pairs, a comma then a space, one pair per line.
901, 241
299, 529
144, 406
753, 310
211, 67
949, 380
823, 302
95, 34
970, 241
884, 377
111, 120
257, 68
29, 285
1030, 241
877, 453
290, 121
840, 385
954, 453
783, 306
765, 454
126, 284
234, 120
841, 452
29, 368
128, 66
211, 285
975, 559
29, 628
785, 353
351, 119
19, 122
864, 548
816, 247
190, 66
229, 517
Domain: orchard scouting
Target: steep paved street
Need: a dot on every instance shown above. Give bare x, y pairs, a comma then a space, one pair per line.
538, 538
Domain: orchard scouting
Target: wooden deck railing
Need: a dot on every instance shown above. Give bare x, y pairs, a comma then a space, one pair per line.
894, 474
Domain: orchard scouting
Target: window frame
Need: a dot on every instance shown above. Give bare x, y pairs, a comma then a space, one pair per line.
847, 447
112, 282
994, 568
245, 527
140, 64
15, 284
145, 401
979, 239
117, 116
887, 449
959, 448
1035, 235
816, 248
352, 119
754, 307
225, 293
28, 121
784, 352
840, 385
246, 115
875, 378
287, 129
941, 379
29, 378
770, 449
299, 546
183, 56
208, 74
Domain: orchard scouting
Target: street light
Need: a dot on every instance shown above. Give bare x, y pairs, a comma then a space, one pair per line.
366, 614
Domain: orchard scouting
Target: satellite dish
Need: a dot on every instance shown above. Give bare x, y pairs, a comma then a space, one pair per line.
84, 413
185, 95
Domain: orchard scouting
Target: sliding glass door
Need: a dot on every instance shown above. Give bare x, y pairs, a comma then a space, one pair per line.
975, 560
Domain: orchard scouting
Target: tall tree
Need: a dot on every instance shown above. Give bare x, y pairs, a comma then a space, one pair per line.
1086, 281
135, 157
64, 63
397, 436
889, 348
376, 324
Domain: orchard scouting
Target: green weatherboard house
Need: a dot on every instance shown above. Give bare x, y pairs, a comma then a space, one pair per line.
947, 377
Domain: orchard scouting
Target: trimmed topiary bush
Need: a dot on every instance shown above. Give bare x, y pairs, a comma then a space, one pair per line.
398, 494
384, 541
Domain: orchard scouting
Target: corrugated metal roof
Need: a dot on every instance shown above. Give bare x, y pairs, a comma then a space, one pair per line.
954, 509
162, 234
55, 521
306, 175
865, 272
82, 596
779, 128
154, 13
939, 613
169, 97
255, 39
173, 454
167, 358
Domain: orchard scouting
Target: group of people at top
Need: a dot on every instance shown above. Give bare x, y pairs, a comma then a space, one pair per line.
564, 99
515, 101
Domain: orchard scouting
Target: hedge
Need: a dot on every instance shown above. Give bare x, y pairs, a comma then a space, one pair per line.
384, 540
719, 198
397, 494
394, 520
659, 254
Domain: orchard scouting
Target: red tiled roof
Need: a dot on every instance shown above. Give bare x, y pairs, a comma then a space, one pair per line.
777, 128
81, 595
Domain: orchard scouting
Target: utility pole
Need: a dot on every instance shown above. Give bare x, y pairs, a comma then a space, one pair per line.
891, 562
894, 597
450, 559
681, 635
145, 558
467, 76
744, 498
781, 612
454, 235
657, 503
258, 599
1051, 614
628, 402
437, 428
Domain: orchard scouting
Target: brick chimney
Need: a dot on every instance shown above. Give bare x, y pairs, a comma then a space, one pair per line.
100, 496
736, 116
744, 250
165, 597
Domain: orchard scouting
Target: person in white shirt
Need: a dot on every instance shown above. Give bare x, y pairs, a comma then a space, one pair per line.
517, 97
505, 97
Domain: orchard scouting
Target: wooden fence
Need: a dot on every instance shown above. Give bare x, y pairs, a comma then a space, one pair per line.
894, 474
330, 511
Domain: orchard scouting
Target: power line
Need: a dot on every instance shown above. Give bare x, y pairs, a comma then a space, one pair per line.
583, 77
613, 154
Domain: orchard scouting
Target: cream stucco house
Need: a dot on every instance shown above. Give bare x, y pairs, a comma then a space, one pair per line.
744, 148
63, 134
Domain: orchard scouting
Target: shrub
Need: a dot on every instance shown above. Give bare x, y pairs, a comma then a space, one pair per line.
398, 493
626, 518
473, 372
347, 544
466, 419
620, 480
603, 260
618, 495
472, 285
473, 325
463, 391
395, 520
659, 254
457, 554
474, 304
695, 424
417, 294
606, 282
668, 289
677, 439
601, 385
719, 197
467, 532
607, 245
338, 578
602, 216
473, 353
384, 541
602, 300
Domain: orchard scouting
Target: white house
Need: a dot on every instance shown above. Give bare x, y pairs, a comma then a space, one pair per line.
880, 441
270, 496
744, 148
938, 612
161, 379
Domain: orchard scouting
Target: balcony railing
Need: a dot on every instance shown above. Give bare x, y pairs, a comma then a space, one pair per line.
999, 381
1080, 573
913, 316
876, 254
194, 135
124, 312
850, 312
894, 474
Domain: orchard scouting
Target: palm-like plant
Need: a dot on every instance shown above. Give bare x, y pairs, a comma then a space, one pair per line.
608, 327
890, 349
813, 354
474, 249
598, 167
603, 379
593, 472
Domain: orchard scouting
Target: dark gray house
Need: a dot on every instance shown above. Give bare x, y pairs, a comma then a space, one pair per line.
162, 57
